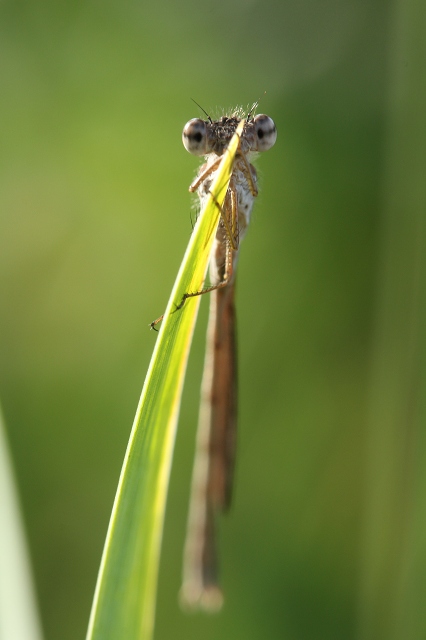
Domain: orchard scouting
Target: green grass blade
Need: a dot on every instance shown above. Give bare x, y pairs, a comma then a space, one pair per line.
124, 602
393, 585
18, 608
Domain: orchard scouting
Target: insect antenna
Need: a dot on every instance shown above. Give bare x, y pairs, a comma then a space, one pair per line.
254, 107
210, 120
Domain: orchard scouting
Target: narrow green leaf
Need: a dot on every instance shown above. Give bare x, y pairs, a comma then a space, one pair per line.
18, 609
124, 601
393, 585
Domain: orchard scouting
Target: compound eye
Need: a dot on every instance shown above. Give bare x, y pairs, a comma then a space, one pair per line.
194, 137
265, 131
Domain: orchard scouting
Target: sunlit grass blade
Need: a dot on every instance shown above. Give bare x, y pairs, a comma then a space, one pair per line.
18, 610
124, 602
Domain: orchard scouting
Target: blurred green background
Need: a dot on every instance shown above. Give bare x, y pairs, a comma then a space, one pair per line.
327, 535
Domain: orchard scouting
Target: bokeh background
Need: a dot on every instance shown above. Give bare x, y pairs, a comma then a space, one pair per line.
327, 534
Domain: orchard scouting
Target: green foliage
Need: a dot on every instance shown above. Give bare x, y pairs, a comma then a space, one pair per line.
325, 537
18, 613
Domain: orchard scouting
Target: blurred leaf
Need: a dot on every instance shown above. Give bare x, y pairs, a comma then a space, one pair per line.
124, 601
18, 612
393, 580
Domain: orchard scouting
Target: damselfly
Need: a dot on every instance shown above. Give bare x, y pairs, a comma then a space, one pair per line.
216, 437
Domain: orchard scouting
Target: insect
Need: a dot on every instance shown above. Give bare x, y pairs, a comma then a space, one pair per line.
216, 437
213, 472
